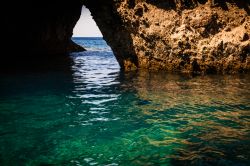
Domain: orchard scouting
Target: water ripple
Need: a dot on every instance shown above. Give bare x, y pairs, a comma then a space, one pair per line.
101, 116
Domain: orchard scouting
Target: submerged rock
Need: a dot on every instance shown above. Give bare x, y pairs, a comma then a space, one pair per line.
73, 47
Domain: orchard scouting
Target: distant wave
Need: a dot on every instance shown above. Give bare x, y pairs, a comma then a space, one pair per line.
92, 43
98, 49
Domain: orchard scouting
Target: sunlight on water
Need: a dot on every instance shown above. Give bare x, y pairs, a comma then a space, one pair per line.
97, 115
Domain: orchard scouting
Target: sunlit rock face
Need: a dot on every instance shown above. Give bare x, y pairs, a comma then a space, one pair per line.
201, 36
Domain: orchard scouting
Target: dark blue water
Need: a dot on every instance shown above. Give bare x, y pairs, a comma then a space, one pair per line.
83, 110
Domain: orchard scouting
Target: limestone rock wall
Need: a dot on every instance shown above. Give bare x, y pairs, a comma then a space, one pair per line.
201, 36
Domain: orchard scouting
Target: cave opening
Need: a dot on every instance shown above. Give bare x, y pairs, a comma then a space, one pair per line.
87, 34
97, 54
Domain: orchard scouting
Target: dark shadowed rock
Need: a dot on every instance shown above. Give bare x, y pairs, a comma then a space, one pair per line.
41, 27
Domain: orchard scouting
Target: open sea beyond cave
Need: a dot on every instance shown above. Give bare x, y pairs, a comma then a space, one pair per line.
85, 111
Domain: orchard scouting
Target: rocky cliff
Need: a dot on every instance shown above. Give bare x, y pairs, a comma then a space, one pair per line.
201, 36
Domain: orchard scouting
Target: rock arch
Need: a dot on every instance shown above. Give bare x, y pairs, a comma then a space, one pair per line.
203, 36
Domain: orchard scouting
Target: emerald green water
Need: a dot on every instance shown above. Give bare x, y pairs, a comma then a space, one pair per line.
91, 113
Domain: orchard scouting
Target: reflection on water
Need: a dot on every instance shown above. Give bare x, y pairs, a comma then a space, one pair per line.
209, 116
97, 115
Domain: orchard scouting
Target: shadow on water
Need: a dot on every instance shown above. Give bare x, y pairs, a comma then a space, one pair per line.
36, 73
35, 63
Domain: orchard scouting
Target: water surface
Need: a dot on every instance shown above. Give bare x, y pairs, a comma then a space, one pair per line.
90, 113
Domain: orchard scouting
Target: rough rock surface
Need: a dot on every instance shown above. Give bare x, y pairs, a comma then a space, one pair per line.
201, 36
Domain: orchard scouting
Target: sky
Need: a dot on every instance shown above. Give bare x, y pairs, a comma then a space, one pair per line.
86, 26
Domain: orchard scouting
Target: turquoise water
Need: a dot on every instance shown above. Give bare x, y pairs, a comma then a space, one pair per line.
85, 111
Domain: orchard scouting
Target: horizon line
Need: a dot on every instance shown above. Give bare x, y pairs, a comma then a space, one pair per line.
87, 36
